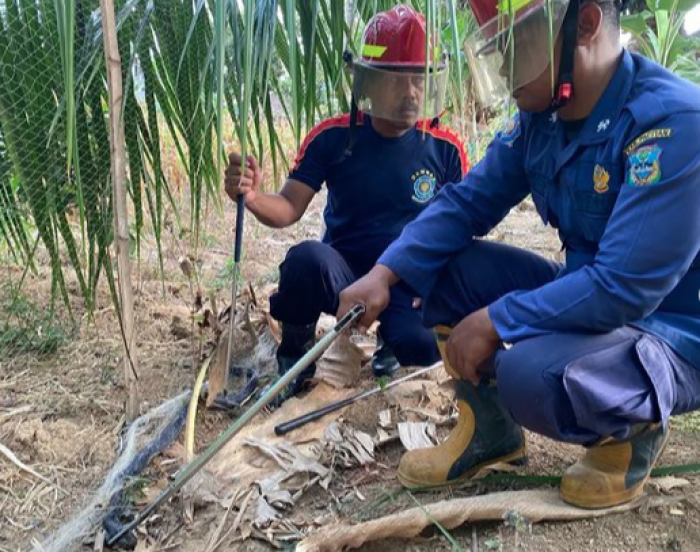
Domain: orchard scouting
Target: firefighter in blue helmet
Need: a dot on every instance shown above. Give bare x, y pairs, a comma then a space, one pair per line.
606, 347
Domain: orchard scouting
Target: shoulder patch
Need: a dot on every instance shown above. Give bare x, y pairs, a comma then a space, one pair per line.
644, 166
651, 135
442, 132
511, 132
340, 121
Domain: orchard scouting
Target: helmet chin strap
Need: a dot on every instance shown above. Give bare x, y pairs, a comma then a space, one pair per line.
565, 85
351, 136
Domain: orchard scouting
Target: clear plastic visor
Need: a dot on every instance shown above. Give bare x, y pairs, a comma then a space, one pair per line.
508, 53
402, 94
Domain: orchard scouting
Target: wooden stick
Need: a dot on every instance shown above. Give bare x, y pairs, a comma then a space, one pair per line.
121, 216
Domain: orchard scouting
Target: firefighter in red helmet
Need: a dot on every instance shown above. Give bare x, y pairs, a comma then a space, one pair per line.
382, 167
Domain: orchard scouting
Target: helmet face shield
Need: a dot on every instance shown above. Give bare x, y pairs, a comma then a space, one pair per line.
402, 95
513, 49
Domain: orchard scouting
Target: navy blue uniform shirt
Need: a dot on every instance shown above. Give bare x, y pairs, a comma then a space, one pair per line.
385, 184
625, 196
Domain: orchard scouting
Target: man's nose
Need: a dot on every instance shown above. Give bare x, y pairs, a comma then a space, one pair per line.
410, 88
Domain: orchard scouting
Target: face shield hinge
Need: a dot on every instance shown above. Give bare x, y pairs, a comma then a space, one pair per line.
564, 92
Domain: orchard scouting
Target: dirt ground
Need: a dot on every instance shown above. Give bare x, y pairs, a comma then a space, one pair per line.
61, 414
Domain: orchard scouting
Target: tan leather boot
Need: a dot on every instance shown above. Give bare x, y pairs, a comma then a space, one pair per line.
485, 434
614, 472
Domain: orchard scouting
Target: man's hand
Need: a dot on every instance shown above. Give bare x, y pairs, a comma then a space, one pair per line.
372, 291
471, 343
239, 182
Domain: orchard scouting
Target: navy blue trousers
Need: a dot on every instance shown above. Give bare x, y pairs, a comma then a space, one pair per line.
570, 387
312, 276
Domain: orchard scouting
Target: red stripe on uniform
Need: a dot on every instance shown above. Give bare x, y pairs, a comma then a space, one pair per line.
445, 133
333, 122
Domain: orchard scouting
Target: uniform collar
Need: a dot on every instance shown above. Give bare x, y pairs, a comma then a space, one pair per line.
601, 122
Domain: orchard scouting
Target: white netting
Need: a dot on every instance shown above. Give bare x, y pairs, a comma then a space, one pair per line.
140, 435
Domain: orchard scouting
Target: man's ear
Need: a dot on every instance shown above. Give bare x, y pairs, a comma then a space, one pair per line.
590, 23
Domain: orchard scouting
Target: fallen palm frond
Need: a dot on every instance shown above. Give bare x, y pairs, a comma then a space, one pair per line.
535, 506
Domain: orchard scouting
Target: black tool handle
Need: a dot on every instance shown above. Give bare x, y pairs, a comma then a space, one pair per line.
291, 425
240, 211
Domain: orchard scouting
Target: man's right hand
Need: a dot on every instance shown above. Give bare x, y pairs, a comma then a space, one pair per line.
238, 182
372, 291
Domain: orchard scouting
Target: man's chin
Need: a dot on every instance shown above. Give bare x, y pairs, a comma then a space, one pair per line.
410, 116
404, 119
527, 103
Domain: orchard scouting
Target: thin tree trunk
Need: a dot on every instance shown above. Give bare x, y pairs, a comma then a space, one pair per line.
121, 216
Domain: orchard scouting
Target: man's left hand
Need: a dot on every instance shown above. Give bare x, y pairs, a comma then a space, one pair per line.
471, 343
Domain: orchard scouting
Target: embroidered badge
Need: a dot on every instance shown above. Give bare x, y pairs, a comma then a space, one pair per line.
512, 130
651, 135
644, 166
424, 186
601, 177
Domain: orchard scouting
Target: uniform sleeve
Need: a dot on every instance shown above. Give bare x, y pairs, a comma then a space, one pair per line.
310, 165
649, 243
457, 163
459, 213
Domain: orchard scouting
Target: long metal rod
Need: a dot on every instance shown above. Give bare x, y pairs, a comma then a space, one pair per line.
198, 463
286, 427
237, 251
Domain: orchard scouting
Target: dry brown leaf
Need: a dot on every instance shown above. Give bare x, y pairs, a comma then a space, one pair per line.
218, 372
666, 484
340, 365
186, 266
417, 435
142, 545
385, 419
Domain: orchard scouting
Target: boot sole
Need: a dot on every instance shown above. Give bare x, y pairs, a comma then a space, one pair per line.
617, 499
516, 458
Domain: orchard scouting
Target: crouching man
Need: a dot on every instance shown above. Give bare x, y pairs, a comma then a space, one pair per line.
606, 347
382, 164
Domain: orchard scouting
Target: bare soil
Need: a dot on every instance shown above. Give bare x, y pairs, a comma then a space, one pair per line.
61, 414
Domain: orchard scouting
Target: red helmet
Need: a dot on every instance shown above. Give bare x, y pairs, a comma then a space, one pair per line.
483, 10
390, 80
395, 38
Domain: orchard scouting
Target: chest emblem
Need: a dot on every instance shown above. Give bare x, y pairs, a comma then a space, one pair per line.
644, 166
511, 132
424, 186
601, 178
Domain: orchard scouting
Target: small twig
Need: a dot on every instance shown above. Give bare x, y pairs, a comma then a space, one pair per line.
99, 541
16, 411
213, 541
252, 294
22, 466
13, 381
167, 537
18, 525
237, 521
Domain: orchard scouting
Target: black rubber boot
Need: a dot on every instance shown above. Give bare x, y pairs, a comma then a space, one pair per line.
296, 342
384, 362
